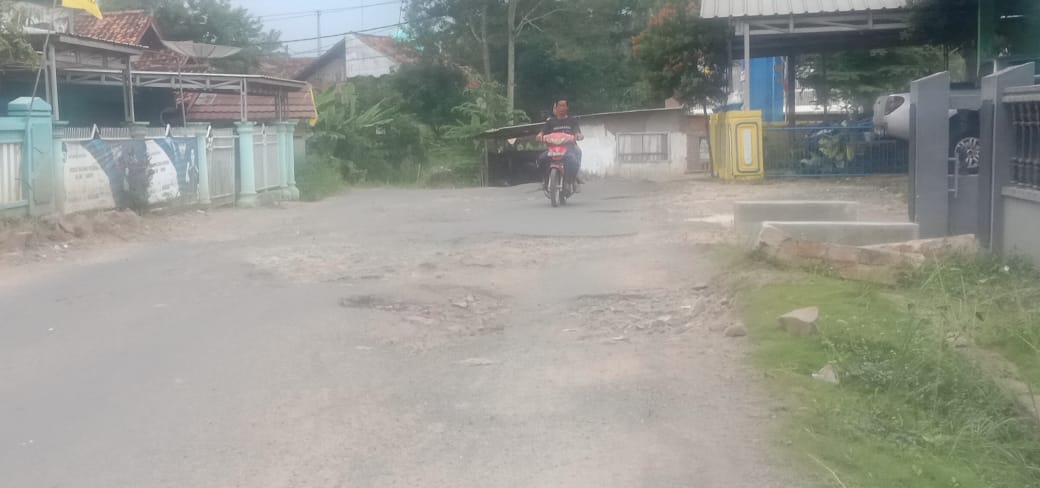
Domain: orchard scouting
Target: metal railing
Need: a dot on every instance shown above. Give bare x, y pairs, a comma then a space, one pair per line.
1025, 161
221, 157
832, 150
122, 133
11, 173
266, 160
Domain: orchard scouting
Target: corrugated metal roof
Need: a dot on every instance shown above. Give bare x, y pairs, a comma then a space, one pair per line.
767, 8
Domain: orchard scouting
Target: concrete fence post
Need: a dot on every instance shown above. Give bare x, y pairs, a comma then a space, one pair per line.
283, 160
201, 132
246, 165
290, 152
58, 136
38, 156
929, 154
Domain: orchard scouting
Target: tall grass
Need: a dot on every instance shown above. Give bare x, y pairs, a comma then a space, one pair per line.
995, 302
912, 410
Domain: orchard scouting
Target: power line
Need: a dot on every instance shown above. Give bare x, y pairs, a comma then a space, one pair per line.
360, 31
293, 17
304, 13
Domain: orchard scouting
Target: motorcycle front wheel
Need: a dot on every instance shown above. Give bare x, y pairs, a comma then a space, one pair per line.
555, 187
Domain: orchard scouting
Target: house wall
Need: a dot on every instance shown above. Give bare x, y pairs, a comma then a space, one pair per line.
362, 60
601, 144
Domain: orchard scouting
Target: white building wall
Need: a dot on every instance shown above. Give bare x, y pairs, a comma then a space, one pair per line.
599, 150
362, 60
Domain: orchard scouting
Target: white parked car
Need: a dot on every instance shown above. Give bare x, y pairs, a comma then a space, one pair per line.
892, 119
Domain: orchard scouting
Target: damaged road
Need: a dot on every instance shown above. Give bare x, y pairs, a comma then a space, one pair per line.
471, 338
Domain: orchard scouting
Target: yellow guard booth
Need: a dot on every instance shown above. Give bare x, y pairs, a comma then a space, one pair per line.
736, 145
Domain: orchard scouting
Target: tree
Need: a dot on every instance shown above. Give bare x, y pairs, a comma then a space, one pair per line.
465, 31
580, 49
949, 23
685, 55
431, 89
15, 49
1008, 28
209, 21
857, 78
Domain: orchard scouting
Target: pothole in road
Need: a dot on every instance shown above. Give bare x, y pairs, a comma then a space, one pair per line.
428, 317
375, 302
619, 316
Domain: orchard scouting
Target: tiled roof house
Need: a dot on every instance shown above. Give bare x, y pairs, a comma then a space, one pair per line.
138, 27
353, 56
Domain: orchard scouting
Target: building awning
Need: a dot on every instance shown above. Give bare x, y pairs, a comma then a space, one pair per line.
712, 9
785, 27
203, 82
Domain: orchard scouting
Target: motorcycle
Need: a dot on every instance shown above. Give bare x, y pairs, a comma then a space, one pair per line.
561, 185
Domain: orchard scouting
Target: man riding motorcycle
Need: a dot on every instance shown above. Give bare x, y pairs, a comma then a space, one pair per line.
562, 122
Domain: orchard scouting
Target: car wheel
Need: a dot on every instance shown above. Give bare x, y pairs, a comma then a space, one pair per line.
968, 152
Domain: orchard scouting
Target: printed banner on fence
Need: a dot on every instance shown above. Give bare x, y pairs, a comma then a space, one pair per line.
95, 172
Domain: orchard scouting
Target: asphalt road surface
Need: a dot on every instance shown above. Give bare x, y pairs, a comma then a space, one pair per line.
388, 338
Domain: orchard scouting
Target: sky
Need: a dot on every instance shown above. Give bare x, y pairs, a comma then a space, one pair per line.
296, 19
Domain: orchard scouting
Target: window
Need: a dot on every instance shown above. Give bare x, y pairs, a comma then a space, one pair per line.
642, 148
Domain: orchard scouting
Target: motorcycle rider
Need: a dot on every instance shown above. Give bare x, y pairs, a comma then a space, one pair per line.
562, 122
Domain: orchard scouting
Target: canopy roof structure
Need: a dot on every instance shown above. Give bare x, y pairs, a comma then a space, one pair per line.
768, 28
785, 27
79, 60
764, 8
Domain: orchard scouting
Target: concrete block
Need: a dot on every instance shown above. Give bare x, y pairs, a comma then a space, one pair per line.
748, 216
965, 245
846, 261
848, 233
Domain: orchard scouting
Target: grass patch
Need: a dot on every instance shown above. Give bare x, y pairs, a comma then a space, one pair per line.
911, 411
318, 179
995, 302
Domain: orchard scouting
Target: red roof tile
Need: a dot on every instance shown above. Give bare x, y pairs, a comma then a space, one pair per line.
221, 107
126, 27
282, 66
387, 46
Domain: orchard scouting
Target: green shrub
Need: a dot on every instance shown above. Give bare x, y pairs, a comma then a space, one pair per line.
319, 178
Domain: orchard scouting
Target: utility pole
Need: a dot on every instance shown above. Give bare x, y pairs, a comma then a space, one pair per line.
317, 15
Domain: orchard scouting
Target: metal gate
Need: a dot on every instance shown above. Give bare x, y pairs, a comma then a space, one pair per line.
220, 152
831, 150
266, 160
11, 175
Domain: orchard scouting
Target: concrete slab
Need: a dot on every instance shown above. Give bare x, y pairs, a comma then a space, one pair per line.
849, 233
846, 261
748, 216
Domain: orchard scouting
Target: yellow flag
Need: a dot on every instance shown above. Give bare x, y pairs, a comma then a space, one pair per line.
90, 6
313, 121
